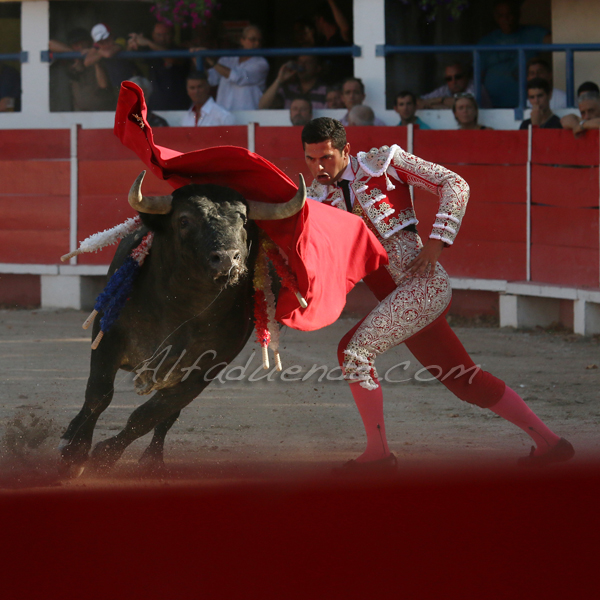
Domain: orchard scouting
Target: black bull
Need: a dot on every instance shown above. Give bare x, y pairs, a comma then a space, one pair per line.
191, 308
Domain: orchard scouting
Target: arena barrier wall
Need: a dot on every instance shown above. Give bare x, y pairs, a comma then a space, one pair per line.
533, 215
452, 534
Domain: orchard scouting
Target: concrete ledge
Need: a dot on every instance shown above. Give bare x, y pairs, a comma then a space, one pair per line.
484, 285
18, 269
83, 269
71, 291
521, 304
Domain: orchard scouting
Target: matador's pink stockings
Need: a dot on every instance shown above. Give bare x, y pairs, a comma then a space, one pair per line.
438, 345
513, 408
370, 407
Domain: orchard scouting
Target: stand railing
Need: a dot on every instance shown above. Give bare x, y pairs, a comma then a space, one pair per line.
520, 49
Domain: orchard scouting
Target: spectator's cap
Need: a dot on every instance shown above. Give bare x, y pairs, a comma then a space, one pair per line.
100, 32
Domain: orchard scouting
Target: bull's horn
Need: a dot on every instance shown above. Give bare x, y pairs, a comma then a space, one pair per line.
154, 205
265, 211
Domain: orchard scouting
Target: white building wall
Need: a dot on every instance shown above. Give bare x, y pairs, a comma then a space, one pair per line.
576, 22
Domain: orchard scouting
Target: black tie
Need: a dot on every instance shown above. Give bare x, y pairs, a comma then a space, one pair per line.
345, 185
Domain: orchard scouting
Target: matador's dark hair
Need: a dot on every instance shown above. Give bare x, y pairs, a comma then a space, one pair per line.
323, 129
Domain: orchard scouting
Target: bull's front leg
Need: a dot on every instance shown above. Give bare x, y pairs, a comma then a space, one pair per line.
164, 404
76, 441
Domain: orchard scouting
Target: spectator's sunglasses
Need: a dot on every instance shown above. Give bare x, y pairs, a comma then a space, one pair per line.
456, 77
464, 95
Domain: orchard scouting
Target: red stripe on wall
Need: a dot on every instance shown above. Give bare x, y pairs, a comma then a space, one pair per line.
551, 226
34, 213
41, 177
109, 177
27, 144
33, 246
560, 147
564, 187
564, 265
472, 147
485, 260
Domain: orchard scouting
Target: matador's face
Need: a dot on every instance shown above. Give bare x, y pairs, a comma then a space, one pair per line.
325, 162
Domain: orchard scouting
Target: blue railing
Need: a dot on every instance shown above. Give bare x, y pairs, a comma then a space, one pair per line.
22, 57
354, 51
521, 49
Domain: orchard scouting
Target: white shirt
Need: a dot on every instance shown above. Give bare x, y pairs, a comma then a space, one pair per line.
211, 114
245, 85
558, 100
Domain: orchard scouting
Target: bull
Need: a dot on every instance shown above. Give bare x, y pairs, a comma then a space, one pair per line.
193, 297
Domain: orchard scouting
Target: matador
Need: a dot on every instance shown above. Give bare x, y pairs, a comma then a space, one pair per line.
413, 290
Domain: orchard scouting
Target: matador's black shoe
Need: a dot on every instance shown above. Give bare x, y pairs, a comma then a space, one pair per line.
561, 452
382, 466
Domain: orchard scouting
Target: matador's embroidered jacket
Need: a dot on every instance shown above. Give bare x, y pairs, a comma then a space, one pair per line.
387, 208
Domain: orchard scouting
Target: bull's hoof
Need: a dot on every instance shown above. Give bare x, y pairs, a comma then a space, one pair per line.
151, 462
71, 463
105, 454
69, 470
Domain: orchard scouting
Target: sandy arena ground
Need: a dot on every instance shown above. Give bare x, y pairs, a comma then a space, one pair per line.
256, 429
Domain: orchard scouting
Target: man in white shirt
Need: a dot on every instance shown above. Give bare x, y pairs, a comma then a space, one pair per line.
241, 79
204, 112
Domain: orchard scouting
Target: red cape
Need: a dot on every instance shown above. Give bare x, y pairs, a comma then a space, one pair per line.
328, 252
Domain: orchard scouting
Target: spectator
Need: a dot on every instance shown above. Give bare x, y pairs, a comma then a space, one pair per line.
10, 89
500, 69
90, 88
105, 47
300, 111
167, 75
406, 107
204, 112
539, 68
241, 79
589, 107
458, 81
361, 114
335, 31
333, 98
466, 112
294, 79
60, 70
587, 86
305, 33
153, 119
353, 94
539, 95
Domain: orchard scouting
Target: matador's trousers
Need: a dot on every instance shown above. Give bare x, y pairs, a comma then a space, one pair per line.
412, 310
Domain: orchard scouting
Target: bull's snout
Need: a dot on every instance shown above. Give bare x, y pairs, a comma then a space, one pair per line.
222, 261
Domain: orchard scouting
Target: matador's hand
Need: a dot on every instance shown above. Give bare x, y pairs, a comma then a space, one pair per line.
427, 258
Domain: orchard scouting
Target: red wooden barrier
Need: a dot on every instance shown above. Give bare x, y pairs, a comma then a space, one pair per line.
34, 195
35, 178
564, 213
493, 236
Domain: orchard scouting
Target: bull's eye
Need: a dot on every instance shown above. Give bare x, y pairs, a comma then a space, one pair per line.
183, 222
243, 217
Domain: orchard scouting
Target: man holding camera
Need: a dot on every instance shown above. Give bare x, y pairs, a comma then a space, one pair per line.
300, 78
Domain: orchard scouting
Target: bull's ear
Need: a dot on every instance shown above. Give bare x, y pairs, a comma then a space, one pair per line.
155, 222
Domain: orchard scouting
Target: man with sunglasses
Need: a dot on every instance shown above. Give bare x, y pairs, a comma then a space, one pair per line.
458, 81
